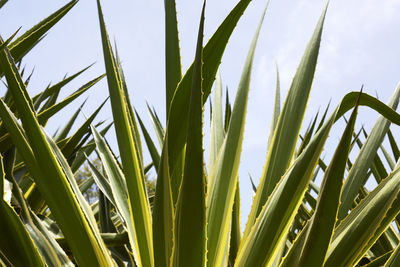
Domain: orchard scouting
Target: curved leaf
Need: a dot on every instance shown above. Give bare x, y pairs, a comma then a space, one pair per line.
355, 177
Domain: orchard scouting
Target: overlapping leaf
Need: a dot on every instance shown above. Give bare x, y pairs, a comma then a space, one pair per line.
61, 200
225, 173
190, 246
282, 147
139, 207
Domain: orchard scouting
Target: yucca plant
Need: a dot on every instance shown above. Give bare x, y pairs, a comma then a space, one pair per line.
193, 217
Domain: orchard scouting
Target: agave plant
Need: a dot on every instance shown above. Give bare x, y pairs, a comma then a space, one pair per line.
193, 217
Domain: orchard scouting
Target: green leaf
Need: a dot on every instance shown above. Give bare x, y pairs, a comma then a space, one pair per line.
155, 156
86, 184
48, 248
118, 186
15, 242
156, 125
323, 116
225, 173
23, 44
51, 100
380, 261
63, 133
72, 143
3, 2
377, 169
294, 253
323, 222
179, 110
101, 182
365, 223
46, 114
253, 185
47, 240
131, 116
355, 177
190, 247
264, 239
8, 41
283, 144
50, 90
86, 150
18, 138
105, 222
394, 259
74, 186
228, 112
163, 213
235, 234
24, 149
277, 107
217, 127
173, 71
139, 206
307, 135
86, 246
261, 245
393, 145
389, 159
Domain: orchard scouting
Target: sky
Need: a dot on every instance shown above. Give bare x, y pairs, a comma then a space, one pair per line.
360, 46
